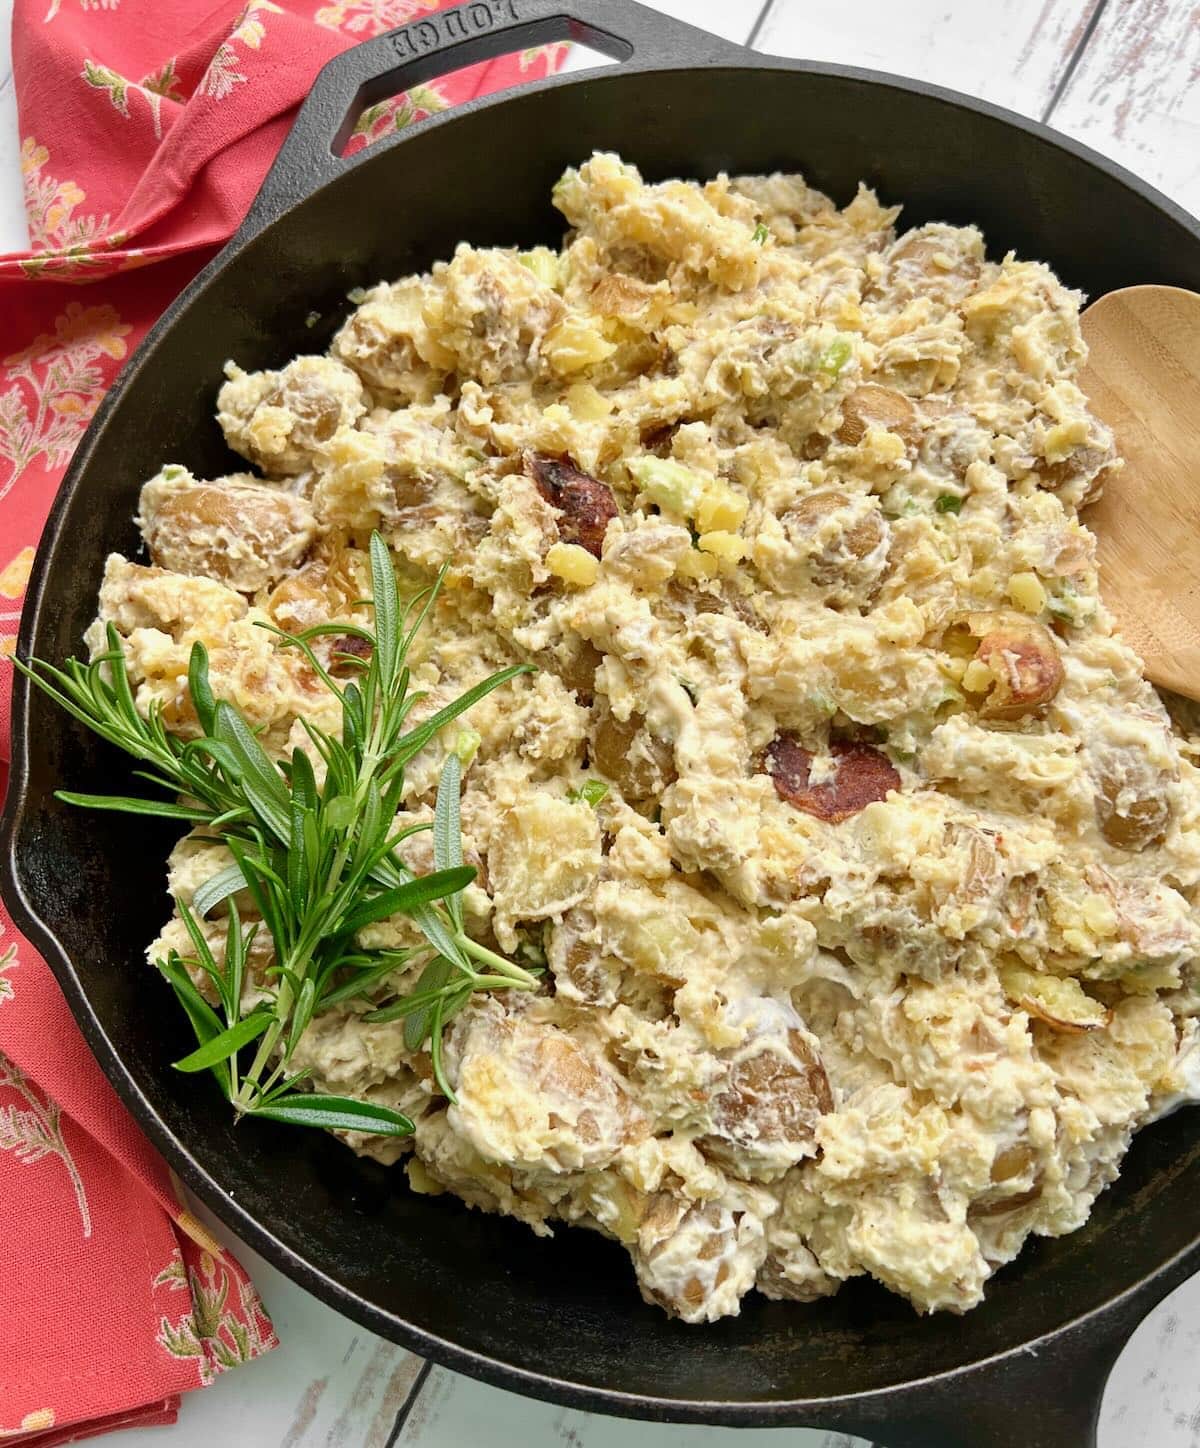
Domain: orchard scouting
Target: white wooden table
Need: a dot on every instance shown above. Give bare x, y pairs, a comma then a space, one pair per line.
1121, 75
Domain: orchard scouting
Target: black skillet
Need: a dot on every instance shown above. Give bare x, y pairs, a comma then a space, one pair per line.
561, 1319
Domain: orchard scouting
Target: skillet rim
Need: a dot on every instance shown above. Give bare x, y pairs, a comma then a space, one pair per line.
272, 207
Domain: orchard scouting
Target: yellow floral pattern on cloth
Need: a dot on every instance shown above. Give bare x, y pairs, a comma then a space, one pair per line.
55, 385
14, 578
35, 1422
66, 243
395, 113
421, 101
371, 17
216, 1334
222, 73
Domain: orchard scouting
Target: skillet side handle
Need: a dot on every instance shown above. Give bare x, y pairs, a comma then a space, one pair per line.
467, 33
1046, 1397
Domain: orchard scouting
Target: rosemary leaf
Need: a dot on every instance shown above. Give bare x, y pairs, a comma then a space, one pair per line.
447, 831
218, 887
218, 1048
405, 897
335, 1113
123, 804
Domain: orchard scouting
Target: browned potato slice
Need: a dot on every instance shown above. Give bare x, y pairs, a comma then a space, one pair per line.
325, 588
283, 420
840, 542
586, 506
1024, 663
532, 1095
702, 1235
863, 775
235, 530
870, 406
1059, 1000
637, 762
931, 261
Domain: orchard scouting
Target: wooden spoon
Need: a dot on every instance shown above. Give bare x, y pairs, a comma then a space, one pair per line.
1143, 379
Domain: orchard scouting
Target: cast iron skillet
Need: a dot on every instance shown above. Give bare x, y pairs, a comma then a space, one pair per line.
562, 1319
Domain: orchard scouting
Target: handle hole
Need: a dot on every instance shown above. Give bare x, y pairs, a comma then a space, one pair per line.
398, 110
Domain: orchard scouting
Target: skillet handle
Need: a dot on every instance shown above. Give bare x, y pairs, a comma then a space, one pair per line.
1048, 1396
473, 31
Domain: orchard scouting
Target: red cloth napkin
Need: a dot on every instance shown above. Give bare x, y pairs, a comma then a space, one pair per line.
146, 128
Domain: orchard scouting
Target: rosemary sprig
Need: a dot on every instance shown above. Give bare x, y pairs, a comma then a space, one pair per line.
319, 861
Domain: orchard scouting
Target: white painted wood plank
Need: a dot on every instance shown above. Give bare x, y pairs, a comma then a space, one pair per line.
732, 19
1153, 1395
1136, 93
453, 1410
13, 235
1009, 51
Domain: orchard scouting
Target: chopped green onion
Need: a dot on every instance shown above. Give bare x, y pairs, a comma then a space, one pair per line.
948, 503
668, 483
760, 233
835, 356
591, 791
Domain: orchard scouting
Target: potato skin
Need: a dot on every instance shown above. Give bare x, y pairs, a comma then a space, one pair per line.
773, 1097
1133, 808
871, 406
625, 751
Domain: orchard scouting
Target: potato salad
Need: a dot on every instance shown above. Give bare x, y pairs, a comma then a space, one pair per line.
855, 857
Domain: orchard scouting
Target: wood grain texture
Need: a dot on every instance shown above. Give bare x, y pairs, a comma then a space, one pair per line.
1013, 52
1143, 379
14, 235
1135, 94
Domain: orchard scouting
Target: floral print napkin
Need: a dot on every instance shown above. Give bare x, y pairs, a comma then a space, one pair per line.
146, 129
